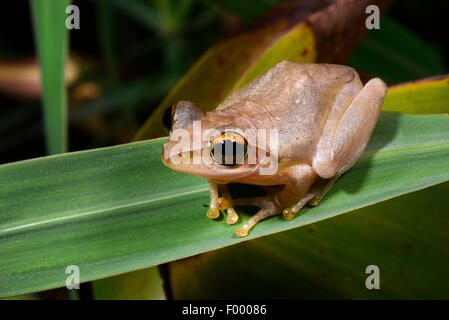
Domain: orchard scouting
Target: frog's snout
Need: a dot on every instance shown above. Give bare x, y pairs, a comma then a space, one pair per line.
167, 155
175, 159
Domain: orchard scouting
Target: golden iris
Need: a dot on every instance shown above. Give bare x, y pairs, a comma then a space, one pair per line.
229, 148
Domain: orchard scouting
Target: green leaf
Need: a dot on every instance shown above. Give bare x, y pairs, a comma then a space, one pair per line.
405, 237
118, 209
396, 54
424, 96
51, 40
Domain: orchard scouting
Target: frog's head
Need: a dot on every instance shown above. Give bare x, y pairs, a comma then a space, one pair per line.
215, 145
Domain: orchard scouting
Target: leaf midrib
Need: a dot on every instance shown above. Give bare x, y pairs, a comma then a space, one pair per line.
16, 228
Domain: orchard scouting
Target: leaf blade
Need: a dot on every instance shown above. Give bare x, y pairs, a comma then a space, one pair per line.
328, 259
425, 96
52, 42
119, 209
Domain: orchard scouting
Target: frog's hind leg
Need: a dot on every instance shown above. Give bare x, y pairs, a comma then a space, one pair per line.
270, 207
291, 198
298, 191
322, 190
313, 196
346, 134
225, 202
290, 212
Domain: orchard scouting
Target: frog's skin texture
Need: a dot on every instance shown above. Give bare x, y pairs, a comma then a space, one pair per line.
324, 117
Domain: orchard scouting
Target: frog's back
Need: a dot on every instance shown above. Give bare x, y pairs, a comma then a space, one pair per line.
293, 98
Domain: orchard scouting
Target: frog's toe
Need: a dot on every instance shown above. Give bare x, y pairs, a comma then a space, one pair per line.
222, 203
242, 231
289, 213
233, 217
213, 213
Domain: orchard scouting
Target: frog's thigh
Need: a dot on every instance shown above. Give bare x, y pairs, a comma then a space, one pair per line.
338, 151
300, 178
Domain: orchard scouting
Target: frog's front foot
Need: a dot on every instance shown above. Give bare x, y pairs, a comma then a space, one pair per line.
225, 203
222, 203
268, 207
213, 211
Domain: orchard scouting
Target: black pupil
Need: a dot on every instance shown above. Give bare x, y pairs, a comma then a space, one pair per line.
229, 152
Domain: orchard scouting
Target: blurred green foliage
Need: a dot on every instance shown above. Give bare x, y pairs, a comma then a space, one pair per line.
51, 43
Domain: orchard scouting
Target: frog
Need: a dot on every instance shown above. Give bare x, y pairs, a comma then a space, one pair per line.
323, 117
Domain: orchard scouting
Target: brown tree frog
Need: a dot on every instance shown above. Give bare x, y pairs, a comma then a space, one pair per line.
322, 117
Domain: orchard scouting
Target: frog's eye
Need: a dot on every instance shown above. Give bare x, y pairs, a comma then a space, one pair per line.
228, 149
167, 118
